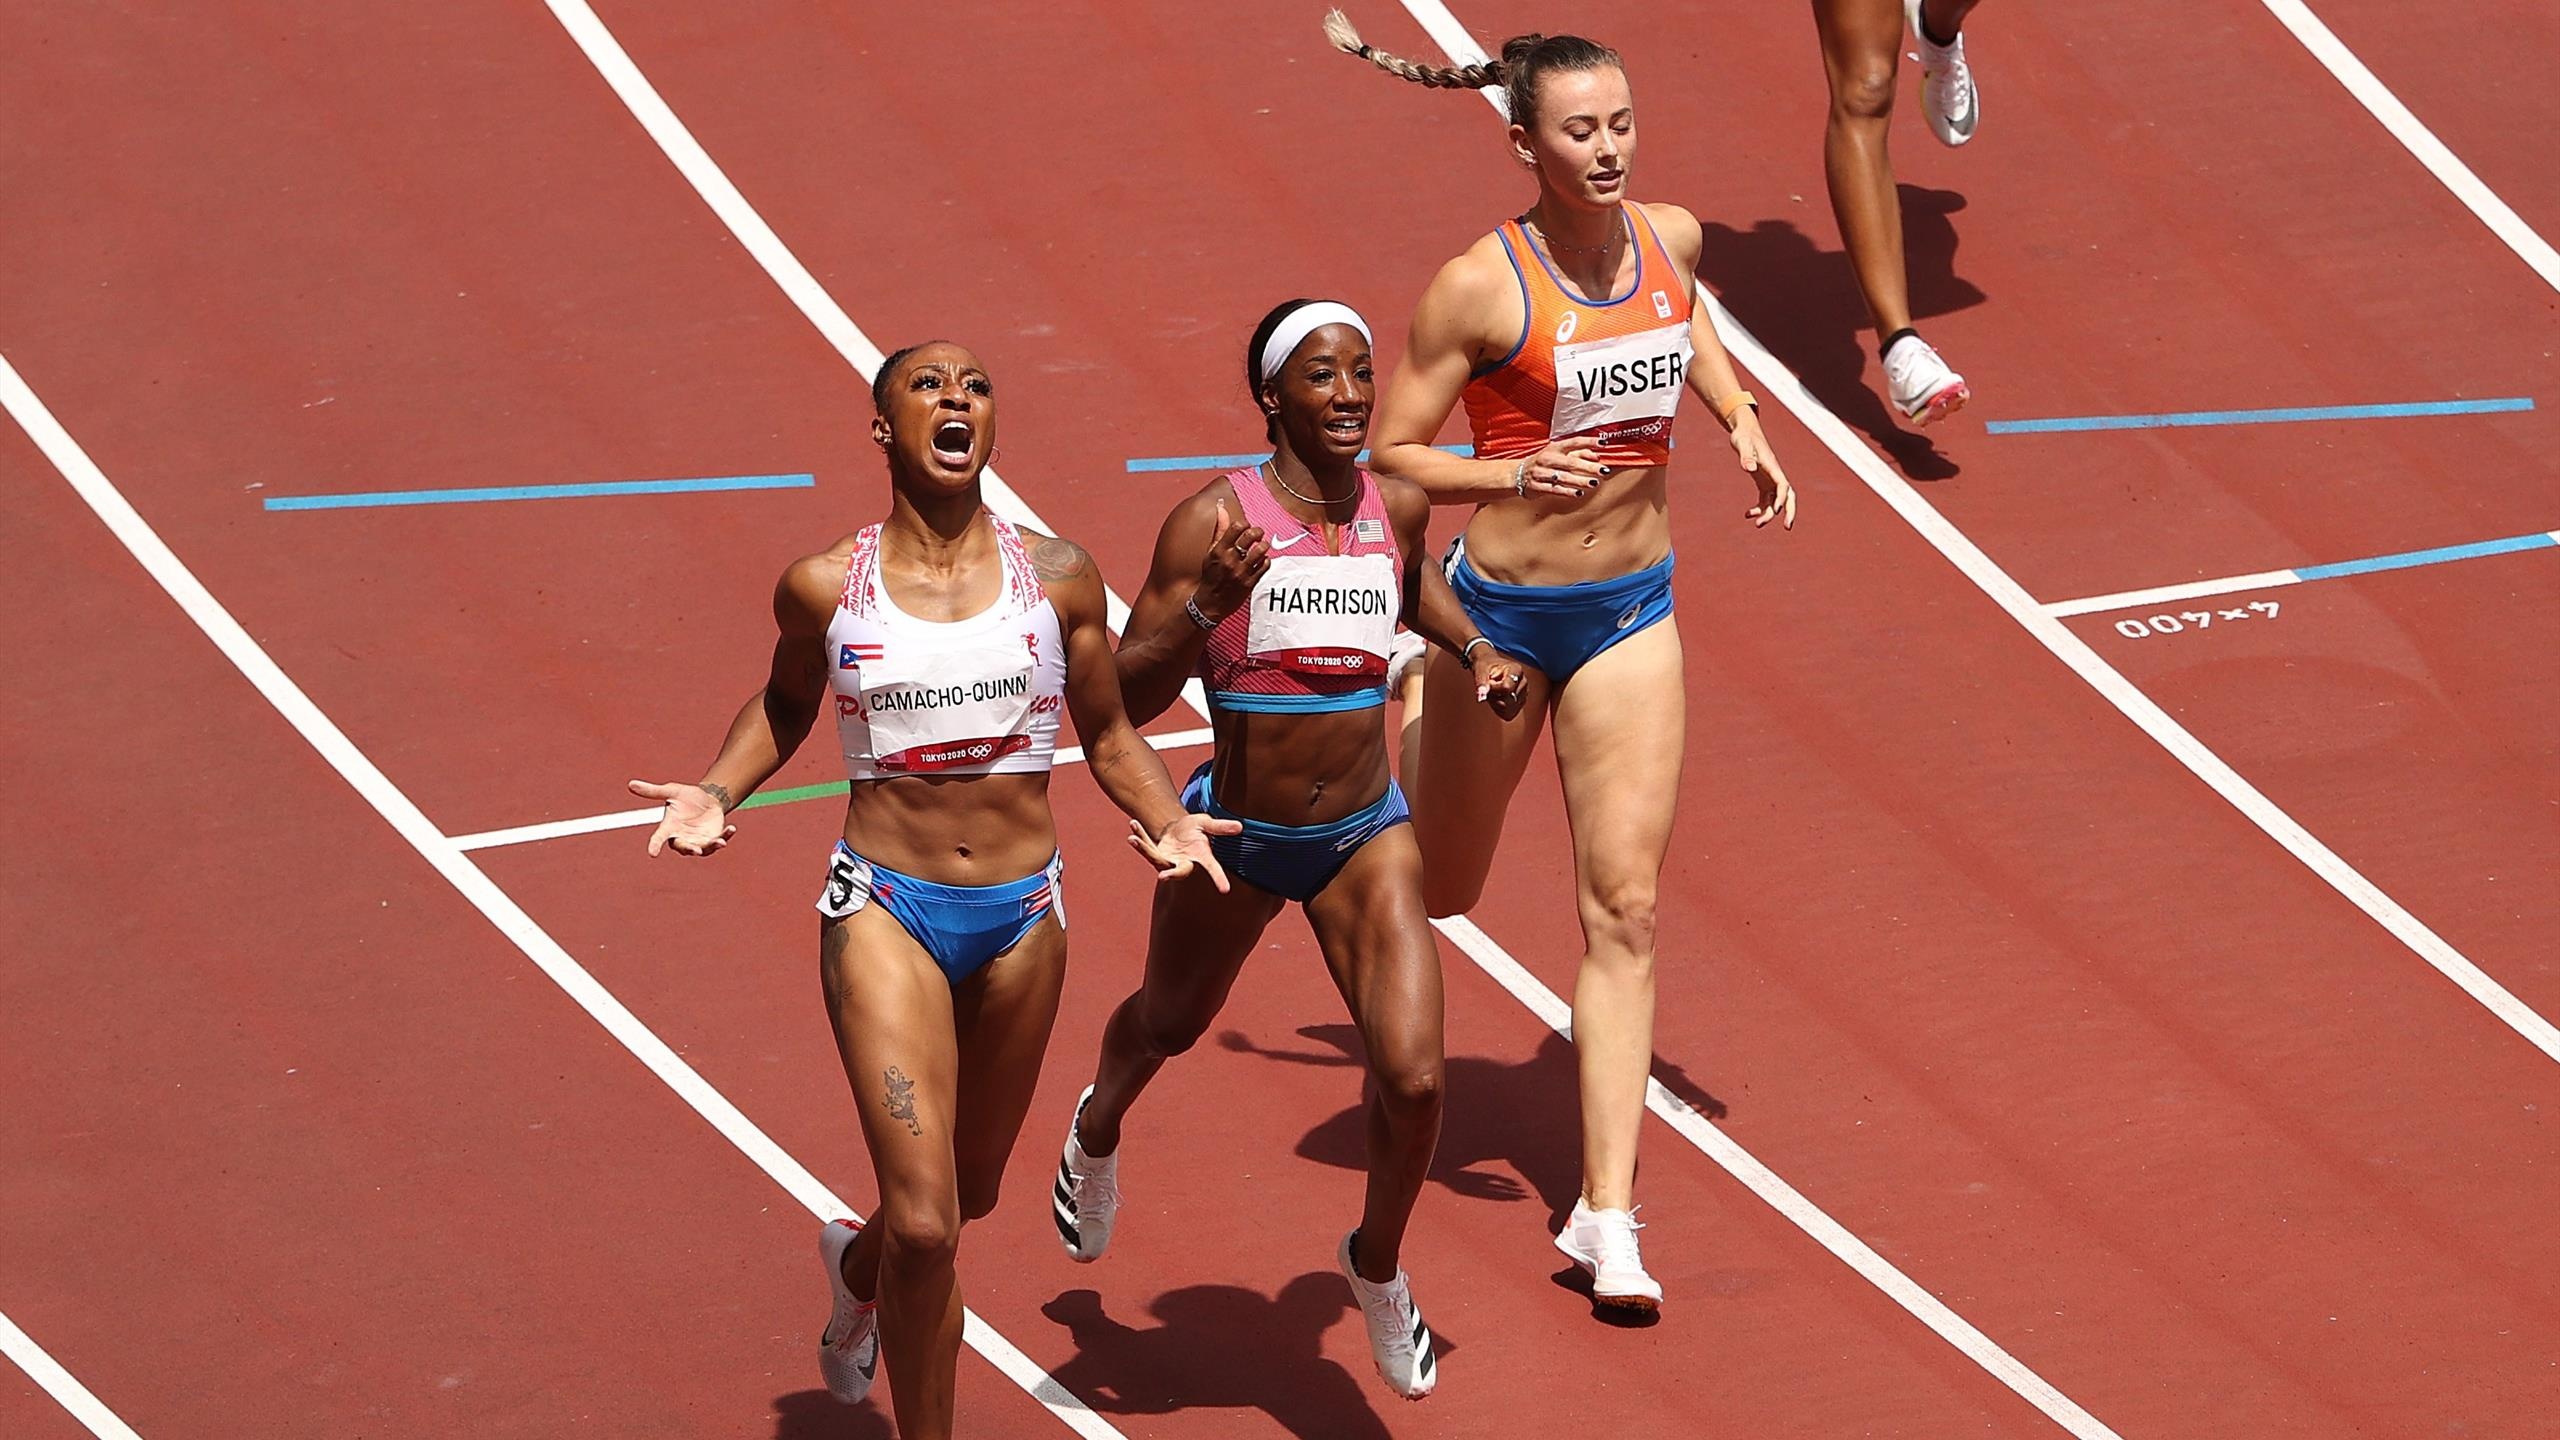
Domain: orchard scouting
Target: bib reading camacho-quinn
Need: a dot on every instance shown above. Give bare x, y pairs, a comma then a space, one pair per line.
979, 696
1317, 629
1610, 369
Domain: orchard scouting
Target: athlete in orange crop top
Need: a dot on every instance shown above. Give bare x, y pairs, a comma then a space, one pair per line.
1570, 333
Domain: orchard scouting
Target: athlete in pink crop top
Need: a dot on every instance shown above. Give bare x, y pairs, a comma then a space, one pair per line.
944, 641
1282, 586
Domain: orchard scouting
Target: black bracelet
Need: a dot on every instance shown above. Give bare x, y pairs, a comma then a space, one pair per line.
1191, 607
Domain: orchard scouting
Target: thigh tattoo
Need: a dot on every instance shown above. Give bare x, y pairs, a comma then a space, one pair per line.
900, 1098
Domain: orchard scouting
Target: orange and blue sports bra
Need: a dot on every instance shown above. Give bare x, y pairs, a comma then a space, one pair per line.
1611, 369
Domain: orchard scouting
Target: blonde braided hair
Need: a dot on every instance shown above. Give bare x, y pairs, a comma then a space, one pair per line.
1525, 58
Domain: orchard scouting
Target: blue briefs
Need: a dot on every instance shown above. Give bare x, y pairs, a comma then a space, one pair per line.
961, 926
1558, 628
1294, 862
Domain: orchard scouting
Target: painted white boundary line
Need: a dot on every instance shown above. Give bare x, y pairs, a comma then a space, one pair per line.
732, 206
632, 819
1787, 1200
2420, 141
1781, 383
2170, 594
1981, 1349
439, 851
642, 99
59, 1383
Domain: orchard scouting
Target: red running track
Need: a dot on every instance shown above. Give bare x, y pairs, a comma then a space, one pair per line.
1957, 951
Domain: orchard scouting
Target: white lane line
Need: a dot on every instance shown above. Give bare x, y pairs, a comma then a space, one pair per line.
642, 100
632, 819
1787, 1200
466, 877
59, 1383
1960, 551
2167, 594
2420, 141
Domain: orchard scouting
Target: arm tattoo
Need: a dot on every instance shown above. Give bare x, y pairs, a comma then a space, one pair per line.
901, 1098
718, 792
1056, 559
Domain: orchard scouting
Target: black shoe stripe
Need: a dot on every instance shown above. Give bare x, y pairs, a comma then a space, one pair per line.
1067, 1229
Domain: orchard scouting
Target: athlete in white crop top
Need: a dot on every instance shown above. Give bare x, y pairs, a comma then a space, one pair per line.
945, 641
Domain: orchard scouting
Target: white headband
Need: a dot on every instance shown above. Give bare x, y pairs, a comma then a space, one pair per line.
1303, 322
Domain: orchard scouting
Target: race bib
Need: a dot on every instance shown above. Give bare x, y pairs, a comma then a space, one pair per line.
946, 707
1623, 388
1325, 614
848, 887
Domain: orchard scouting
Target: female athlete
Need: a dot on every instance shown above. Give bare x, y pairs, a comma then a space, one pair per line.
1282, 586
947, 642
1861, 51
1569, 332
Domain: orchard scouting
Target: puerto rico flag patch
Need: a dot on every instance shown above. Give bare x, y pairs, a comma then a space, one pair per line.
851, 657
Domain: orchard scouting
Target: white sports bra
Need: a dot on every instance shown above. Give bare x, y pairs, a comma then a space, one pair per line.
979, 696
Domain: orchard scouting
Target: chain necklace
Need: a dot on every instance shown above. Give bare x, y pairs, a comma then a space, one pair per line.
1608, 247
1282, 481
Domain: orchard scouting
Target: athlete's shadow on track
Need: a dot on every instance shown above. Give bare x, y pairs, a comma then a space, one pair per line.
815, 1415
1521, 1118
1804, 305
1222, 1347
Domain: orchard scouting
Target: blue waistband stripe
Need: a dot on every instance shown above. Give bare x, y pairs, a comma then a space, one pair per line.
1246, 703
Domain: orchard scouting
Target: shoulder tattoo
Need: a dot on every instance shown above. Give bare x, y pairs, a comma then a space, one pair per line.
1056, 559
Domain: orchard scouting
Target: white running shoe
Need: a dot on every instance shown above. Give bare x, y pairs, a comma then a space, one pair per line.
1408, 1358
1924, 388
1947, 92
849, 1349
1603, 1243
1086, 1198
1404, 658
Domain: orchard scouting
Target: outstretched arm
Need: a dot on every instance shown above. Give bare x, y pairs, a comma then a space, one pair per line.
1123, 763
769, 727
1206, 560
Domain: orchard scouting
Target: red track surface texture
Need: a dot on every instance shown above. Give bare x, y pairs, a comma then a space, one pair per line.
296, 1144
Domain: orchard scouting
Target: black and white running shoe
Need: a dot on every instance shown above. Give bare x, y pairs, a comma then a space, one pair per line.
1407, 1356
1086, 1198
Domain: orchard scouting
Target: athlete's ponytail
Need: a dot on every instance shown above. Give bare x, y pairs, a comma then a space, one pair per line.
1526, 60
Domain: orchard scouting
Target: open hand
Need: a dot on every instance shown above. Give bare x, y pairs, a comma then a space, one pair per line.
695, 822
1184, 845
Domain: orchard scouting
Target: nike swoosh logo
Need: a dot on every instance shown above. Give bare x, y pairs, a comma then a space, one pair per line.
1292, 540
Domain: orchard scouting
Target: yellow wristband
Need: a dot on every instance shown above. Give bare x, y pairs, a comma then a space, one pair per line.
1731, 406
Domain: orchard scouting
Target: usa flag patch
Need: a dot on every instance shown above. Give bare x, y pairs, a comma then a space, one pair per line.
1368, 530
